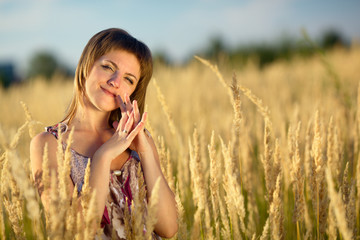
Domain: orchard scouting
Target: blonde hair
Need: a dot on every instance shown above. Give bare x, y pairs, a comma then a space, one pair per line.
100, 44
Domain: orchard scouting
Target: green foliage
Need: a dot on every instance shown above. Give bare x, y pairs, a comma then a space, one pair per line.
45, 64
264, 53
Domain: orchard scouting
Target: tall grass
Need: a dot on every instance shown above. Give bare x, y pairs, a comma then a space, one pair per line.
259, 154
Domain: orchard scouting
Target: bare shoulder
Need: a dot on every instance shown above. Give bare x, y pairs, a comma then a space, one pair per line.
38, 142
37, 146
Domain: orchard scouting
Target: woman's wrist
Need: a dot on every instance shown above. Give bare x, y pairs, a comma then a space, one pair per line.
101, 155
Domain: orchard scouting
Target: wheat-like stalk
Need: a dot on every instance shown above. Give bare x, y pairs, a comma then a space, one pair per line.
234, 198
45, 174
351, 210
15, 216
196, 170
64, 171
276, 214
79, 226
152, 209
225, 230
2, 225
321, 195
166, 110
236, 128
29, 119
91, 218
331, 160
55, 221
169, 171
71, 215
214, 184
15, 141
268, 163
182, 232
25, 186
215, 69
266, 230
338, 207
86, 190
298, 180
358, 191
292, 94
162, 153
331, 228
11, 199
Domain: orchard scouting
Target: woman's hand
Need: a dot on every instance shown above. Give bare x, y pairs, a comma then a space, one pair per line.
126, 130
140, 143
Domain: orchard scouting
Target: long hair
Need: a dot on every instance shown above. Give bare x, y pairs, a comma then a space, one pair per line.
99, 45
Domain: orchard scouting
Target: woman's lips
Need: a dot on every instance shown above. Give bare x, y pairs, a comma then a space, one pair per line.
108, 93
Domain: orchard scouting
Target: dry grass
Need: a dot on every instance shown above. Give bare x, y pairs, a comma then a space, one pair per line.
249, 170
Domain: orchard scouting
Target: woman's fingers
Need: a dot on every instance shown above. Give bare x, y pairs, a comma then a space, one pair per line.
139, 127
136, 112
128, 125
123, 121
121, 104
144, 117
128, 105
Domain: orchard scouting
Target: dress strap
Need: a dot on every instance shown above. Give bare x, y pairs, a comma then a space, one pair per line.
54, 130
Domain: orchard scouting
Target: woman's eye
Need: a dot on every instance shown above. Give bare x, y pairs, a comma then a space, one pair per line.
130, 80
106, 67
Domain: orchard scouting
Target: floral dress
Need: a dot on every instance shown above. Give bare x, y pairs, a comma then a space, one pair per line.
123, 184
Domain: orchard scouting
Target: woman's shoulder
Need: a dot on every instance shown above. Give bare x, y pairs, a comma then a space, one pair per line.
41, 140
48, 137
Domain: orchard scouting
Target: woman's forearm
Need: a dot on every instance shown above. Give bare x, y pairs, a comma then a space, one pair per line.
166, 225
99, 180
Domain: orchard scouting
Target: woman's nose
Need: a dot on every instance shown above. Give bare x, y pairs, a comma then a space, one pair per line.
114, 81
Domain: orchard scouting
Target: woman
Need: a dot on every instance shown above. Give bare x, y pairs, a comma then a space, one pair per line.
108, 120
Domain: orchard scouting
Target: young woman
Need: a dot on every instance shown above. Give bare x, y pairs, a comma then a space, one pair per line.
108, 120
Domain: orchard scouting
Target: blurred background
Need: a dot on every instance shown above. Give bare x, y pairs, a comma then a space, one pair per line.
294, 62
47, 37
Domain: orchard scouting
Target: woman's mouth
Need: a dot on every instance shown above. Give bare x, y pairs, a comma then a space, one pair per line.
108, 92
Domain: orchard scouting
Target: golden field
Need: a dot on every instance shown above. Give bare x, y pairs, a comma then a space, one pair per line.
251, 153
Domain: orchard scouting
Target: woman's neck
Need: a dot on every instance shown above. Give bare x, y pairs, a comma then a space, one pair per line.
90, 119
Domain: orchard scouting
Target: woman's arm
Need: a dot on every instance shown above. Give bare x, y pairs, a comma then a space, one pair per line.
37, 146
101, 161
100, 164
166, 225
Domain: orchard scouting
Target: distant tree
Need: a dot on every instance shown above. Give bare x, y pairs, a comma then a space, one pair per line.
332, 38
216, 48
43, 64
7, 74
161, 57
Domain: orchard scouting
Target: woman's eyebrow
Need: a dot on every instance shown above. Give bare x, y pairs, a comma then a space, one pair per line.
132, 75
114, 64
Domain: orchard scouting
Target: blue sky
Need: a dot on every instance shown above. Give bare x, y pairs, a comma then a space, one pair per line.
175, 27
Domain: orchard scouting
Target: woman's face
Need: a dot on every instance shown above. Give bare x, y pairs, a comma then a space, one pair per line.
115, 73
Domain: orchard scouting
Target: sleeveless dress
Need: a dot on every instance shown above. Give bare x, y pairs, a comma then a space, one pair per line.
123, 184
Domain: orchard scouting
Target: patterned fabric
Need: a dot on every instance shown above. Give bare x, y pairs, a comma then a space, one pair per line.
123, 184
